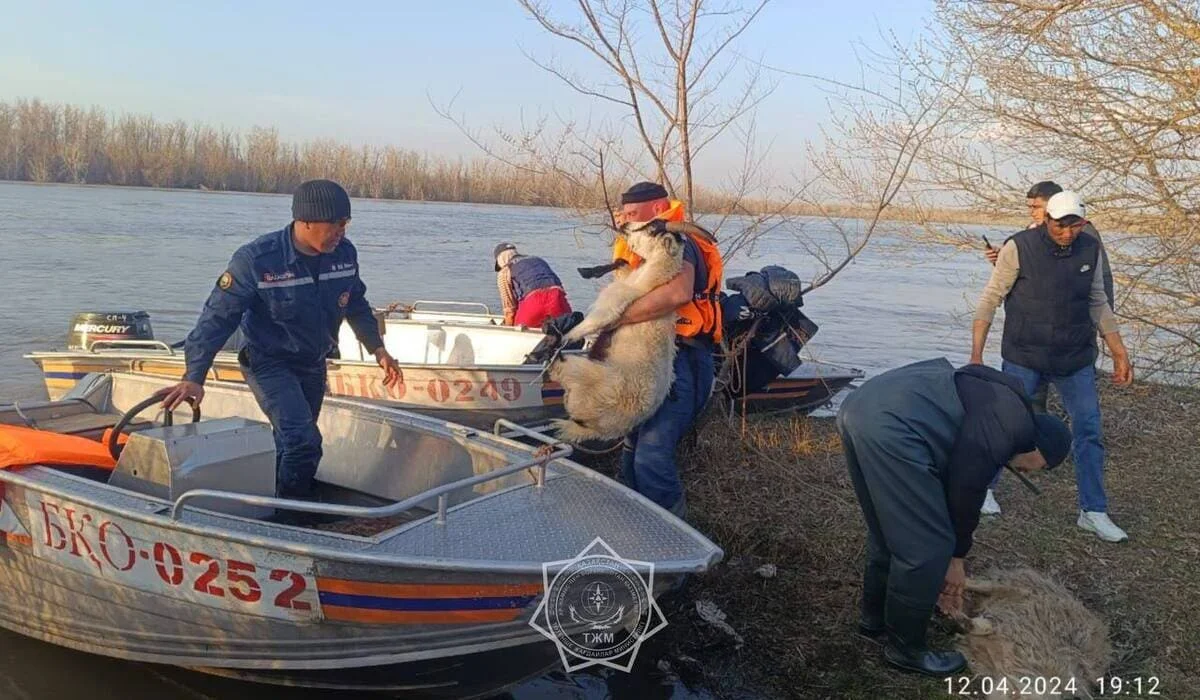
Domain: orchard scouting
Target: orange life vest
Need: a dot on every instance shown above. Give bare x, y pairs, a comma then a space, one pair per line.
702, 315
20, 446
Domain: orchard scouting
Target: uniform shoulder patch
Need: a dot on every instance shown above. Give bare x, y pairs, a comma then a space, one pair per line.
344, 300
225, 281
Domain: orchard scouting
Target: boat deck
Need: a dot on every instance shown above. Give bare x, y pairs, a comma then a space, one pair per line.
514, 529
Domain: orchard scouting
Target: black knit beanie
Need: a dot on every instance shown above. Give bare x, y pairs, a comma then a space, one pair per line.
1053, 438
643, 192
320, 200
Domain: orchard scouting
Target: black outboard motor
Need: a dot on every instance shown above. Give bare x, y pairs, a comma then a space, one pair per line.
90, 326
768, 303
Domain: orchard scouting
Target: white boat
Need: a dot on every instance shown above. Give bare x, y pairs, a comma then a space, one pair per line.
459, 362
426, 578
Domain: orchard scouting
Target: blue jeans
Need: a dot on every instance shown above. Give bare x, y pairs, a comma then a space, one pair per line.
290, 394
648, 459
1079, 395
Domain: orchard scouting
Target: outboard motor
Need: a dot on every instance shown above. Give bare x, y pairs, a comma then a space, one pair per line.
766, 303
90, 326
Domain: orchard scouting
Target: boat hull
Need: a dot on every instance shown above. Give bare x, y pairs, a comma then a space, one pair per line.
96, 581
474, 396
415, 603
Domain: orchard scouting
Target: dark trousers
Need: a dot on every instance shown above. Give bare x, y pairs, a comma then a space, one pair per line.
290, 394
910, 538
648, 459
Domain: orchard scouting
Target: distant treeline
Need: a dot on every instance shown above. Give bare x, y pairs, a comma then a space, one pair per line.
46, 142
43, 142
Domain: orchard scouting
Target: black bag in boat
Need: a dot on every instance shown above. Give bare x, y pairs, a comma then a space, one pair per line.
774, 348
555, 328
785, 285
769, 289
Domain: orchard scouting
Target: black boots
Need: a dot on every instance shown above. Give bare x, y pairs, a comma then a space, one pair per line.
906, 648
870, 623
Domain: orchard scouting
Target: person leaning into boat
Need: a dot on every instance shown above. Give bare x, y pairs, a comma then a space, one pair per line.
921, 443
1050, 281
648, 456
289, 292
530, 292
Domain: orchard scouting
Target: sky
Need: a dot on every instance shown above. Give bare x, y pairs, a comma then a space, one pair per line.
370, 71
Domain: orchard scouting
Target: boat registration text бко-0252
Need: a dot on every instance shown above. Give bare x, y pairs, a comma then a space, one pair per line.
205, 571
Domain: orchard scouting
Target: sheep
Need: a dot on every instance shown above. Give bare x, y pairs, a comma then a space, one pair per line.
628, 372
1022, 626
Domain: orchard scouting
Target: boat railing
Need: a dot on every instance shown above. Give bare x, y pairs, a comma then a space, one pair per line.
432, 305
144, 344
441, 493
508, 429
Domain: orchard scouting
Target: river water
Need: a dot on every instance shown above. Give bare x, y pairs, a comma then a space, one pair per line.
71, 248
68, 248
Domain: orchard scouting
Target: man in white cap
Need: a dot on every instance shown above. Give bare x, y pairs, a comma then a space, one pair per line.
1051, 283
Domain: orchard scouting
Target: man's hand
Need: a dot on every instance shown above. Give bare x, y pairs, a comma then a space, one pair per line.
951, 606
1122, 367
992, 254
184, 390
979, 334
951, 598
1122, 370
392, 373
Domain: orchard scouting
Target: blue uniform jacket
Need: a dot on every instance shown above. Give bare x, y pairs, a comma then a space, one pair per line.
284, 312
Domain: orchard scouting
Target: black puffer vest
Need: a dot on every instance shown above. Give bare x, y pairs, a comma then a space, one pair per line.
1047, 323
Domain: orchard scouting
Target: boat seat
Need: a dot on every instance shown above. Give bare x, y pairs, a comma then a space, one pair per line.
89, 425
29, 415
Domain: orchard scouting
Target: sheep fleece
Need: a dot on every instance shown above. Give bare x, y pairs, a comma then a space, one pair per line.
1023, 626
607, 398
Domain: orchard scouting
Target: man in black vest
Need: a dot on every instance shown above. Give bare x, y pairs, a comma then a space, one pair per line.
1035, 201
1051, 282
921, 443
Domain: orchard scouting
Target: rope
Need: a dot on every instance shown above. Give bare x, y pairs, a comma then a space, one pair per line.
616, 445
727, 375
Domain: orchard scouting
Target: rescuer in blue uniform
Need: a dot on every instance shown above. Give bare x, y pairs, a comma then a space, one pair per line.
289, 292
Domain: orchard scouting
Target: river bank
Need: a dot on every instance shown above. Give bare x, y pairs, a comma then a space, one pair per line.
779, 495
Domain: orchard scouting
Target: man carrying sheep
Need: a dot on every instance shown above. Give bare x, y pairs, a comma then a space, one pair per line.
648, 458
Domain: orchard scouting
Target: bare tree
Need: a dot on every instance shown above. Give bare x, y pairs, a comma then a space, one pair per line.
879, 129
1104, 98
666, 72
665, 78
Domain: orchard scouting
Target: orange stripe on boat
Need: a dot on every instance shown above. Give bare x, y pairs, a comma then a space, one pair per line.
777, 395
427, 590
367, 615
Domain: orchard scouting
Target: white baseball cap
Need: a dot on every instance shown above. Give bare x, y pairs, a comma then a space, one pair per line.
1064, 204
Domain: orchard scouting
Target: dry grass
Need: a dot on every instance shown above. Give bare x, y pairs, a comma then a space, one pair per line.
781, 495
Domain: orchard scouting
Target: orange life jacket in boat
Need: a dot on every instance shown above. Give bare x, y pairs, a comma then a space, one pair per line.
702, 315
22, 447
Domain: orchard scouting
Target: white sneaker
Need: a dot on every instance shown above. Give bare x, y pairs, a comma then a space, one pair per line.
1102, 525
990, 506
